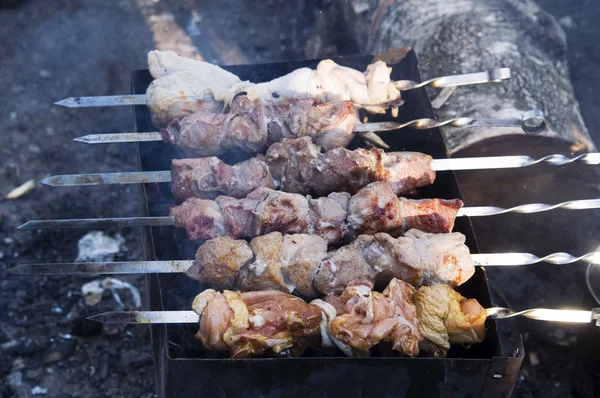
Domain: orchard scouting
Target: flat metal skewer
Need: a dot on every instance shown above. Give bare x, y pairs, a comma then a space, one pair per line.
130, 222
493, 76
540, 314
179, 266
532, 122
456, 164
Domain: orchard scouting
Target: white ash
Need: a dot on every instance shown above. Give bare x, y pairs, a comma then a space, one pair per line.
37, 390
95, 246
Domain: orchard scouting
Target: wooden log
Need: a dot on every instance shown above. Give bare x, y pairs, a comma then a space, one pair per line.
461, 36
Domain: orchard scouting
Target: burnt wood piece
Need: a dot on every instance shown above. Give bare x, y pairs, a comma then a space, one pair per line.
472, 35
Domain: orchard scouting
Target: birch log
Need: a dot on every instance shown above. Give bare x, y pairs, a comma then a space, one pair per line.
460, 36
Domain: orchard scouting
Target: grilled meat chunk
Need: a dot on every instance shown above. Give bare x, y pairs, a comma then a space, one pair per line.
182, 86
374, 208
297, 165
418, 258
218, 261
256, 323
445, 317
370, 317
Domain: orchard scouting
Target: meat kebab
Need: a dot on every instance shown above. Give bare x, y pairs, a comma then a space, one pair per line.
300, 263
182, 86
278, 324
299, 166
374, 208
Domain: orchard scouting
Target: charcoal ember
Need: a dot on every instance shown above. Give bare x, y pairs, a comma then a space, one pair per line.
61, 351
80, 326
23, 348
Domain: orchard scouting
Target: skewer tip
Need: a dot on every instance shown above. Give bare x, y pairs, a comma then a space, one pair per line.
27, 225
67, 102
50, 181
23, 269
102, 318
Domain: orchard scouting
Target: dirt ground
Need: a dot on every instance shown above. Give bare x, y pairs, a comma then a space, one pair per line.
55, 49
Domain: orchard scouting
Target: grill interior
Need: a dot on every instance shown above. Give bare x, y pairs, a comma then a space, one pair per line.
175, 346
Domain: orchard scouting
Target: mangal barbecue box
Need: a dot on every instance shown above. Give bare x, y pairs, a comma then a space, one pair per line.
185, 369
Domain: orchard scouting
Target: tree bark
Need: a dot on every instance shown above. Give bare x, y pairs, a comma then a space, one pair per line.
464, 36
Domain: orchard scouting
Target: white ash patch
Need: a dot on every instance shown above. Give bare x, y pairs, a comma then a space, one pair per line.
95, 246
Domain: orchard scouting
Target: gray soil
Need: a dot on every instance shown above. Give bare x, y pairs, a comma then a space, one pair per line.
56, 49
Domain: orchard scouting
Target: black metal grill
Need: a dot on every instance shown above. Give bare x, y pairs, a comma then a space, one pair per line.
185, 368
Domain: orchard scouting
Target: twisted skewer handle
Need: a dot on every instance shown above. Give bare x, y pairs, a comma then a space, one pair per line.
494, 75
531, 122
545, 314
516, 259
479, 211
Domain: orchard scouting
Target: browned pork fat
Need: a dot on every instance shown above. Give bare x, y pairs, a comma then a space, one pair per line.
257, 323
446, 317
373, 209
371, 317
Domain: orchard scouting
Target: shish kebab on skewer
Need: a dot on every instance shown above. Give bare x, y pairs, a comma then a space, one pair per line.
336, 217
301, 263
297, 165
272, 323
183, 86
250, 129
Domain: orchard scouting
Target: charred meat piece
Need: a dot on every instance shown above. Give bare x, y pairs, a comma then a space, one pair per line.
207, 178
256, 323
373, 209
418, 258
250, 127
302, 264
376, 208
445, 317
261, 212
371, 317
297, 165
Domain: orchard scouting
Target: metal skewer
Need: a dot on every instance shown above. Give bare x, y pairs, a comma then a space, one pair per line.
480, 163
495, 75
129, 222
540, 314
179, 266
532, 122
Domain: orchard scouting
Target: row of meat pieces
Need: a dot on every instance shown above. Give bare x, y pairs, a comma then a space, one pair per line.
302, 265
298, 166
183, 86
273, 323
339, 216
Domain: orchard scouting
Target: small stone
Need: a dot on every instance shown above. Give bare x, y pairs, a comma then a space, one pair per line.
37, 390
44, 73
13, 115
559, 334
17, 88
15, 379
63, 350
566, 22
34, 148
533, 359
